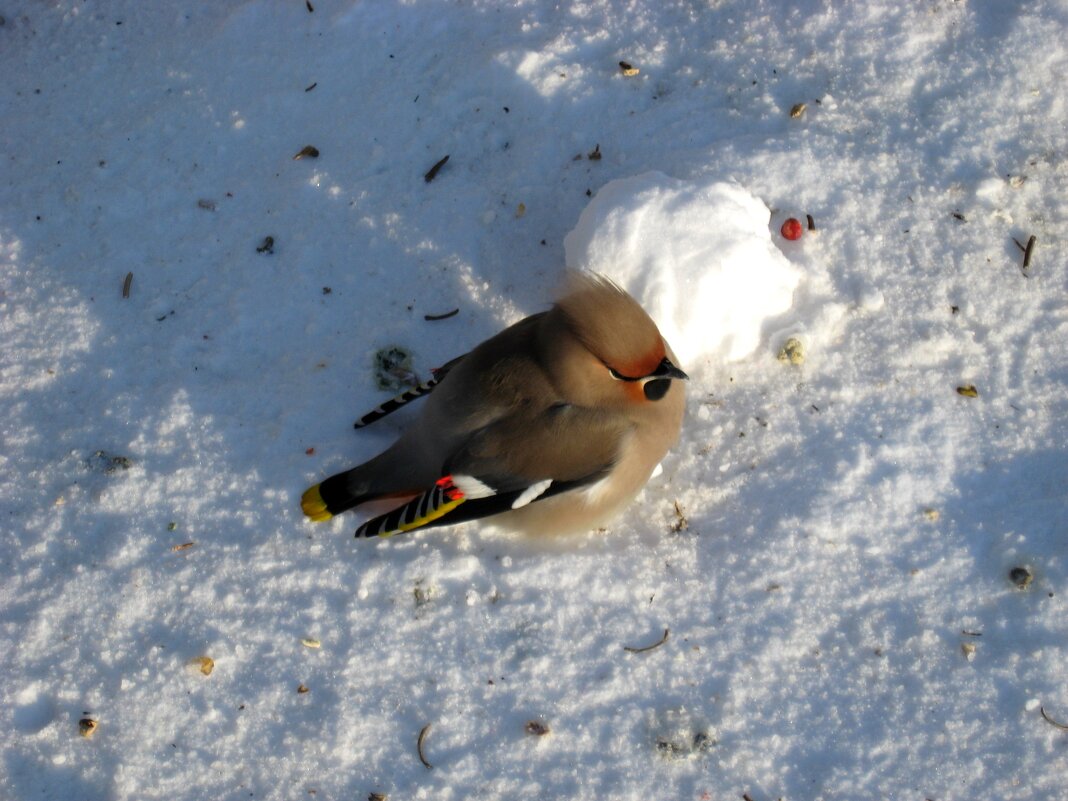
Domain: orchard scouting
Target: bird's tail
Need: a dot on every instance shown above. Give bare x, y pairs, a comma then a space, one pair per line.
313, 505
335, 495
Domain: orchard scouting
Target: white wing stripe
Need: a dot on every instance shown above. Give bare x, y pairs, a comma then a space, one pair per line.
531, 493
471, 487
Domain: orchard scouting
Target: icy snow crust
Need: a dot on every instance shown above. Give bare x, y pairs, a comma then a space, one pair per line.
823, 543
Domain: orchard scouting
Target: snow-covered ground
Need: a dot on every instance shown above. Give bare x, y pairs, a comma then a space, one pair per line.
829, 545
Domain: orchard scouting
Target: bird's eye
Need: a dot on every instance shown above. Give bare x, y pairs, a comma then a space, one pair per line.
657, 388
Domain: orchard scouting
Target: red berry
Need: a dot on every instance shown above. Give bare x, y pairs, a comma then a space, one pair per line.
791, 229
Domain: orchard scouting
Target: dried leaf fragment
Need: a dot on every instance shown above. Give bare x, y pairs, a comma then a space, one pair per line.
1021, 577
520, 210
968, 649
206, 203
393, 369
205, 664
126, 285
628, 70
182, 546
267, 246
595, 154
798, 109
309, 151
968, 391
681, 523
302, 688
108, 463
87, 727
310, 642
422, 596
537, 728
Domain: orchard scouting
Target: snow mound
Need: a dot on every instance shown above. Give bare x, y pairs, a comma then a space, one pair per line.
698, 256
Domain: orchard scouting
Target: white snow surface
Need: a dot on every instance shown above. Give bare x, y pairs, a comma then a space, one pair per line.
699, 258
829, 545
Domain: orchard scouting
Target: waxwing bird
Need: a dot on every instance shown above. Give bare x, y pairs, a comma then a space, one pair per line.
552, 425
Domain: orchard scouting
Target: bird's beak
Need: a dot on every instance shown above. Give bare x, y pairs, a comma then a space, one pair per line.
667, 370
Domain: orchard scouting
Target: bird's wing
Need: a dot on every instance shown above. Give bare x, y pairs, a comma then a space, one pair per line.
407, 396
516, 460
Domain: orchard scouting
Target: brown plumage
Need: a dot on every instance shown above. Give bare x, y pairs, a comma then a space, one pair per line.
552, 425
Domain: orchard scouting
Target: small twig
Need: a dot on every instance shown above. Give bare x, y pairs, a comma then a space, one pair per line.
967, 633
310, 151
811, 222
183, 546
126, 285
1051, 721
445, 316
433, 171
1028, 251
633, 650
1019, 244
309, 88
419, 746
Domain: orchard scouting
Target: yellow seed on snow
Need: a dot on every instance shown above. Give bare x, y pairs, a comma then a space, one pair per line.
205, 664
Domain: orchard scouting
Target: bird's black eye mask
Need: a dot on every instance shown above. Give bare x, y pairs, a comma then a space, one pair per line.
657, 383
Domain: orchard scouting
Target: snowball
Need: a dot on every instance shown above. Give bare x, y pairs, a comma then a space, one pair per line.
698, 256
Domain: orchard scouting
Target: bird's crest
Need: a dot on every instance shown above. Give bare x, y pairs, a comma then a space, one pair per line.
610, 324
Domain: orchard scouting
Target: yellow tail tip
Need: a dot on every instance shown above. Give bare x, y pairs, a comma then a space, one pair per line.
311, 503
